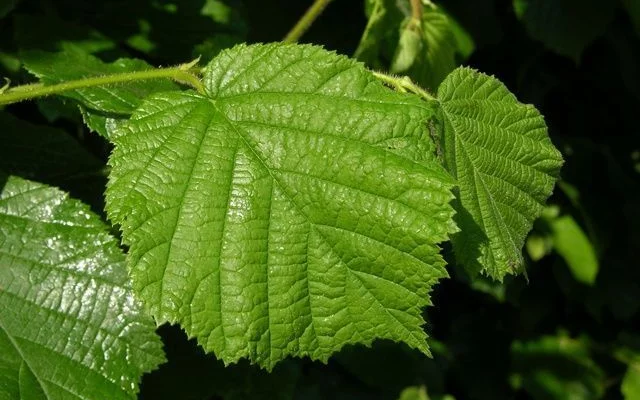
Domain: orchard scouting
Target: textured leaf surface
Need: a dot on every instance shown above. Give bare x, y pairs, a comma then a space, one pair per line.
69, 326
565, 26
293, 210
506, 167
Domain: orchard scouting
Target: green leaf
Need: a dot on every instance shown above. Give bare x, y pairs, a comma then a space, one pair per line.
565, 26
414, 393
506, 167
436, 53
570, 241
69, 325
380, 36
294, 209
41, 152
425, 50
557, 368
631, 382
74, 63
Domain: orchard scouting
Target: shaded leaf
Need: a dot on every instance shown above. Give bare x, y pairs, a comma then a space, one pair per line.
264, 216
570, 241
41, 152
426, 49
6, 6
565, 26
506, 167
414, 393
100, 101
69, 325
633, 9
557, 367
436, 53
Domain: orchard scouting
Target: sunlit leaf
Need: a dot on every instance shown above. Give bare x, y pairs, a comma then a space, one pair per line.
69, 325
294, 209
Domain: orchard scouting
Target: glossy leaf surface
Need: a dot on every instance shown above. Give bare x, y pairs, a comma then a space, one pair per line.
69, 325
294, 209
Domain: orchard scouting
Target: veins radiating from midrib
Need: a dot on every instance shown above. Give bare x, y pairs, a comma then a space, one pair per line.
284, 191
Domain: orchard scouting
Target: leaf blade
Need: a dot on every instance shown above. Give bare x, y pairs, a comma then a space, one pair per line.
506, 167
298, 206
69, 326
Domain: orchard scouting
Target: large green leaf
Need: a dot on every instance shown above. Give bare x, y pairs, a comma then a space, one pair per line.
565, 26
294, 209
69, 325
506, 167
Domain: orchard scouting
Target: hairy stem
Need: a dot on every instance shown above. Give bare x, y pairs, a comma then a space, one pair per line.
403, 84
31, 91
416, 10
305, 22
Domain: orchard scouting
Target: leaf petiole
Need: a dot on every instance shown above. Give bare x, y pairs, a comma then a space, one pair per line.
305, 22
403, 84
31, 91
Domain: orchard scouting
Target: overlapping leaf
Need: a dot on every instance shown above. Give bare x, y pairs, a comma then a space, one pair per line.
506, 167
294, 209
69, 325
424, 49
99, 104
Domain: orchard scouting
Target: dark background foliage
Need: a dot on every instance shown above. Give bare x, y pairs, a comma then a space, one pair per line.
551, 336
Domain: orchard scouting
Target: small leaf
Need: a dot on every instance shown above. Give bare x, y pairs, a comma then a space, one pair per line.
294, 209
438, 50
69, 325
424, 49
414, 393
570, 241
565, 26
506, 167
409, 49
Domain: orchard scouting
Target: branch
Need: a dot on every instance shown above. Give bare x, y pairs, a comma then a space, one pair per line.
180, 74
305, 22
